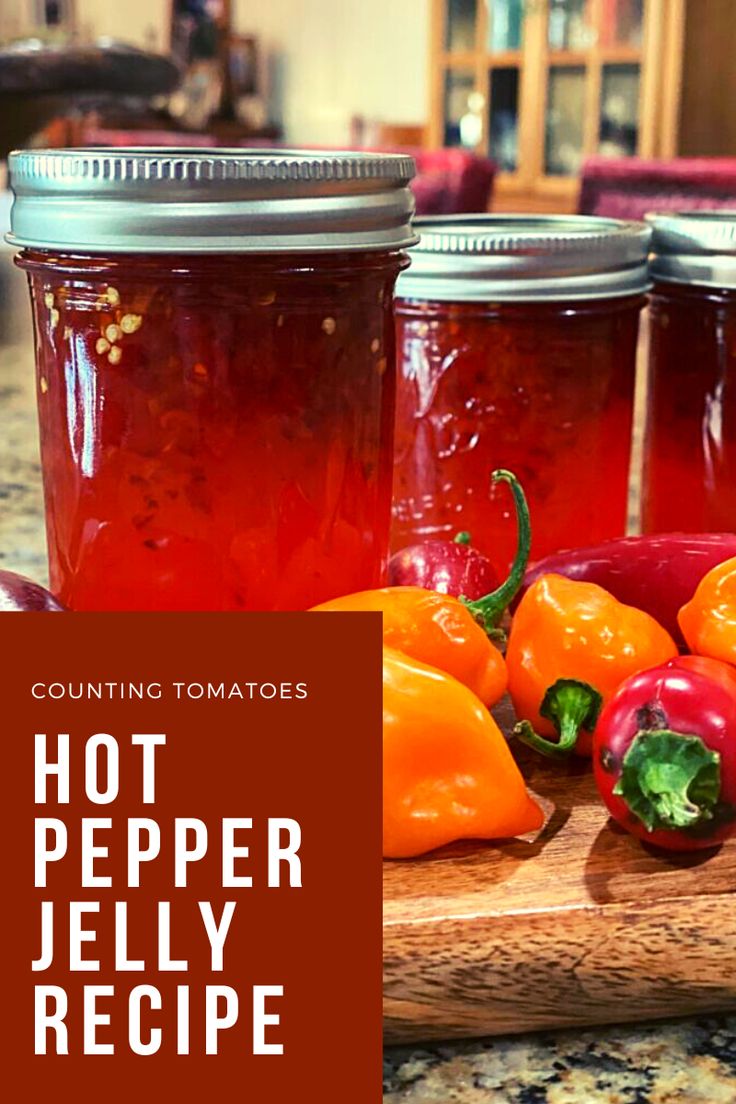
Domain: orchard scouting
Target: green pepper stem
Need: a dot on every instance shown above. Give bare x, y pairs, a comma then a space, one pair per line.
463, 537
572, 706
670, 780
489, 609
524, 731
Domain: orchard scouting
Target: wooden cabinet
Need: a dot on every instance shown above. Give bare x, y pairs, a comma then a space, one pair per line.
542, 84
707, 120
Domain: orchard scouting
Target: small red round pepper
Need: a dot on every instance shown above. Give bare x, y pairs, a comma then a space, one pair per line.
664, 754
449, 633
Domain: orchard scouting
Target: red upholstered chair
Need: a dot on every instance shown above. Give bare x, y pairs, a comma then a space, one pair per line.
448, 181
630, 187
107, 136
452, 182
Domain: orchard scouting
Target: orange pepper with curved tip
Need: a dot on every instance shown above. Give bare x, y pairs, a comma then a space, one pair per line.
434, 629
571, 646
448, 773
708, 620
446, 632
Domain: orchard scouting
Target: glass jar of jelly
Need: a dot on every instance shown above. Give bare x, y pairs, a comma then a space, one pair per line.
689, 455
216, 370
516, 349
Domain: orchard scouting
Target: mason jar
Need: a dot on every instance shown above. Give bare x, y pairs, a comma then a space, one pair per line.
516, 347
689, 473
216, 370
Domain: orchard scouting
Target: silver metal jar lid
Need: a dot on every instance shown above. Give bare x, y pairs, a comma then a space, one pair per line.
522, 258
163, 200
694, 247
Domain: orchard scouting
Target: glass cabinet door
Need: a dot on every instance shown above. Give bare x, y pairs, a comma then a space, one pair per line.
460, 24
592, 103
503, 117
504, 35
567, 25
563, 146
505, 21
619, 113
463, 120
581, 94
622, 23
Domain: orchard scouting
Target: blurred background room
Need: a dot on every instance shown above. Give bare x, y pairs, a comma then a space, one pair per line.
237, 455
603, 106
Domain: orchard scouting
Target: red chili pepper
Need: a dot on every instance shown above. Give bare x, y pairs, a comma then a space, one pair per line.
455, 566
657, 574
449, 567
664, 754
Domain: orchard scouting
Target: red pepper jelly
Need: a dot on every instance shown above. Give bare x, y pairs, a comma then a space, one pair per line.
216, 370
689, 474
516, 348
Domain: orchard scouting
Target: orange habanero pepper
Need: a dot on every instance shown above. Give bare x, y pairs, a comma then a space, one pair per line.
708, 620
571, 646
448, 773
446, 632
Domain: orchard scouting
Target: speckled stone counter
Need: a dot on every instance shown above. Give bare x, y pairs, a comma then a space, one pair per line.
22, 536
683, 1062
689, 1062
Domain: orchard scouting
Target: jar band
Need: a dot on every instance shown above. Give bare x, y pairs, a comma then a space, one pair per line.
210, 201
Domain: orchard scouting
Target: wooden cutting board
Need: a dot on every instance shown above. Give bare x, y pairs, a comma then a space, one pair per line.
584, 925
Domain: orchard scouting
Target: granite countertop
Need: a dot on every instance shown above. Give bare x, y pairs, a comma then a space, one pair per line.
678, 1062
683, 1062
22, 536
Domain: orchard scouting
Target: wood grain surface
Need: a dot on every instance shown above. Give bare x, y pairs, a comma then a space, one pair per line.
582, 925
